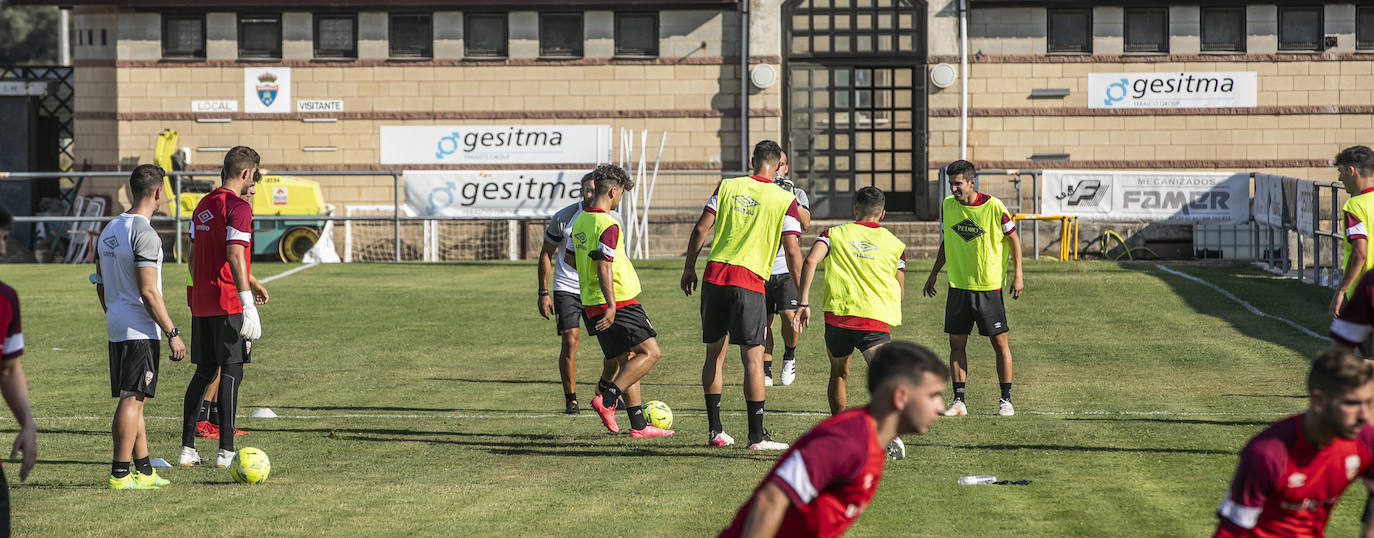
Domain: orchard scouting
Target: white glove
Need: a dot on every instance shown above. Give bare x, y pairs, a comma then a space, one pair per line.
252, 328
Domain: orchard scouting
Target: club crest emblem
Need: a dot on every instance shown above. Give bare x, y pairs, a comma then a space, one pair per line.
267, 88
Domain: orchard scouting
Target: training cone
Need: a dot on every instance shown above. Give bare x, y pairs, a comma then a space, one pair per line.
262, 412
160, 463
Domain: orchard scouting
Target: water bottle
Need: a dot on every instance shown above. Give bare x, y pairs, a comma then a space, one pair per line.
976, 479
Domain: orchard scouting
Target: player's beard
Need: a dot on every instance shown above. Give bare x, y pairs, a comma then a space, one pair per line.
1336, 425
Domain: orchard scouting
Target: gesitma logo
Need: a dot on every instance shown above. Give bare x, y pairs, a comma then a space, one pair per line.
1172, 90
514, 139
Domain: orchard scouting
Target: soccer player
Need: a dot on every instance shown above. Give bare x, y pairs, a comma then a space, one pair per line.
609, 286
829, 476
1290, 475
780, 296
129, 285
977, 230
1355, 169
207, 420
224, 316
565, 304
13, 385
751, 217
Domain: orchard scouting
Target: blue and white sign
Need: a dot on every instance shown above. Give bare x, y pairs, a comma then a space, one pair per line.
495, 144
267, 90
1173, 90
491, 194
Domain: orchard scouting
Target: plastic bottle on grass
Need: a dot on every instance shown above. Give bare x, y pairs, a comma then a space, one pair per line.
976, 479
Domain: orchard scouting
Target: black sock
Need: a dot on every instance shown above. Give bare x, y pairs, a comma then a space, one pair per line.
755, 421
713, 413
959, 391
789, 354
636, 417
768, 368
609, 395
1006, 391
143, 464
570, 397
205, 406
190, 410
213, 415
230, 377
119, 469
601, 386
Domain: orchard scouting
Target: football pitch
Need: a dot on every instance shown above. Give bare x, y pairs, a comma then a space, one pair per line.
424, 399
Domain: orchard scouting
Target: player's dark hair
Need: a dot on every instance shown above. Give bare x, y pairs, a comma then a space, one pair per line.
6, 219
145, 180
610, 175
766, 152
868, 202
1360, 157
238, 159
960, 168
903, 361
1338, 371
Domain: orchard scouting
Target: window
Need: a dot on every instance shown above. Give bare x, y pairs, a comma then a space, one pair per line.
336, 35
183, 36
1364, 27
412, 35
103, 36
636, 34
260, 36
484, 35
1147, 29
560, 34
1300, 28
1070, 30
1223, 29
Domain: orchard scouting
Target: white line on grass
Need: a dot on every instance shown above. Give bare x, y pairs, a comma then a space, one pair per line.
506, 416
1242, 303
289, 273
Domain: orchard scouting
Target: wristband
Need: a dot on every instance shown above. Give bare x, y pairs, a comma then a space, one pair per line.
803, 306
246, 299
543, 293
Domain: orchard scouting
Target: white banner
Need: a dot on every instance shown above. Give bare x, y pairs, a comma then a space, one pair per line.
483, 194
319, 105
227, 105
1268, 205
24, 87
496, 144
1179, 197
1307, 207
267, 90
1173, 90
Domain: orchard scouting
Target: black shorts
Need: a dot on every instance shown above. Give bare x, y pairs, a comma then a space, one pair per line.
4, 505
133, 366
964, 308
780, 294
567, 309
216, 340
630, 328
841, 342
735, 311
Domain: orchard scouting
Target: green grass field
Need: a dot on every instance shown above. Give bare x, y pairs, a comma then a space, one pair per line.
423, 399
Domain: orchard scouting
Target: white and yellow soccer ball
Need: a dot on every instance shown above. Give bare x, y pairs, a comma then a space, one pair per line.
658, 414
250, 466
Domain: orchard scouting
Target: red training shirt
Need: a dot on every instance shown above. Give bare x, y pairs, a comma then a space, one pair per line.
11, 336
220, 219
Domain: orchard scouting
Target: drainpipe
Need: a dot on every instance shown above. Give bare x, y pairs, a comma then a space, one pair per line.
744, 84
963, 79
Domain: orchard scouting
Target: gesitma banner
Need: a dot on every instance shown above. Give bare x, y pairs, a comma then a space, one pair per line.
491, 194
1178, 197
495, 144
1173, 90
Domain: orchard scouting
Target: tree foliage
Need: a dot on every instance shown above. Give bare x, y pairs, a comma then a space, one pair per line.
28, 35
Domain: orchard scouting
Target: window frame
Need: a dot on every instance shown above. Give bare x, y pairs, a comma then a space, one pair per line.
579, 44
1163, 46
503, 52
259, 54
1321, 29
198, 54
1049, 30
636, 53
423, 53
1240, 47
333, 54
1367, 44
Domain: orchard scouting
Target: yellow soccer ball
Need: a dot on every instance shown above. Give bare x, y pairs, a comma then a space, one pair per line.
250, 466
658, 414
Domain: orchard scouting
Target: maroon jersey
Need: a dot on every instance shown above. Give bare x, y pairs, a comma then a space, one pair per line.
1286, 487
11, 337
220, 219
1357, 315
830, 474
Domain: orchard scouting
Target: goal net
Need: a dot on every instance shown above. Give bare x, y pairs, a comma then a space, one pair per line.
436, 240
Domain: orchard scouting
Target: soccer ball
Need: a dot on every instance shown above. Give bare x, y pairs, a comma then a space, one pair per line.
250, 466
658, 414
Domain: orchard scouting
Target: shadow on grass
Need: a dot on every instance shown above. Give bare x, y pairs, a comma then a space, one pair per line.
568, 449
1079, 448
379, 408
1178, 421
1293, 396
544, 382
69, 462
